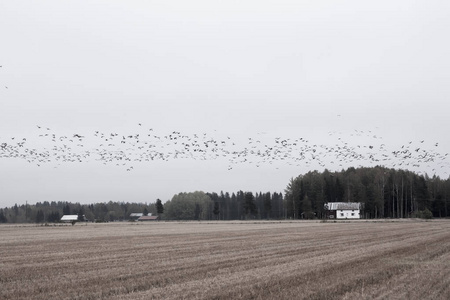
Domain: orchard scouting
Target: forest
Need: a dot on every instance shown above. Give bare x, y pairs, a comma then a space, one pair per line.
383, 192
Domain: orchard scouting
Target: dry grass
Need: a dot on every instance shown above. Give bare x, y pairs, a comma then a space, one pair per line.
227, 260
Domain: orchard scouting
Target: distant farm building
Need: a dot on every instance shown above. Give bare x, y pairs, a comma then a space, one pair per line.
148, 218
343, 210
135, 216
69, 218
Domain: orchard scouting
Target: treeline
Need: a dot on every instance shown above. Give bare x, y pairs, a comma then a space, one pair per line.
225, 206
384, 193
183, 206
53, 211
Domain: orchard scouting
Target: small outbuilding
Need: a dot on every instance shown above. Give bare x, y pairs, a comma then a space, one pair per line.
69, 218
343, 210
148, 218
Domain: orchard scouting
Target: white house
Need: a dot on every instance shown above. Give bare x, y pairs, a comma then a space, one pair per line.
343, 210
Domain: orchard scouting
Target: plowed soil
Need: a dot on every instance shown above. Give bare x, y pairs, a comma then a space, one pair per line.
408, 259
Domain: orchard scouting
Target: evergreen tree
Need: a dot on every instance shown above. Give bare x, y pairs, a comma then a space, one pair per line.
39, 216
53, 217
227, 206
240, 196
267, 205
234, 207
216, 209
81, 214
66, 209
80, 217
159, 207
3, 218
249, 204
307, 208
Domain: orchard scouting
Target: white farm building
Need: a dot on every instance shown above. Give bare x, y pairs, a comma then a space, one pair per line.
69, 218
343, 210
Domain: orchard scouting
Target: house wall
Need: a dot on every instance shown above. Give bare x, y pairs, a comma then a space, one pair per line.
331, 214
347, 214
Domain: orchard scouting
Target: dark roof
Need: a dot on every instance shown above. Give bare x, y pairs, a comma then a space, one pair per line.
348, 206
148, 218
343, 205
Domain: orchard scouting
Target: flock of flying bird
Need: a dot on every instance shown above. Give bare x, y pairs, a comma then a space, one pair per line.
145, 145
127, 150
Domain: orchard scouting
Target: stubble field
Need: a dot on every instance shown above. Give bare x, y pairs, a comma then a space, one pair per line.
227, 260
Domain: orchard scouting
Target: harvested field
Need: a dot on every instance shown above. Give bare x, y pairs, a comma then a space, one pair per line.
227, 260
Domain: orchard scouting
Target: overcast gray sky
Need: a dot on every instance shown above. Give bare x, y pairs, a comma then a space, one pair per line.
327, 71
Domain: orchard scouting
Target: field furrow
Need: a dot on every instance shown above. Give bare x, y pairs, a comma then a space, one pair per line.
227, 260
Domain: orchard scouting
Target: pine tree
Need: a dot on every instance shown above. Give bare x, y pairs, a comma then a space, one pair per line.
307, 208
216, 209
3, 218
39, 216
66, 209
267, 205
159, 207
249, 204
53, 217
